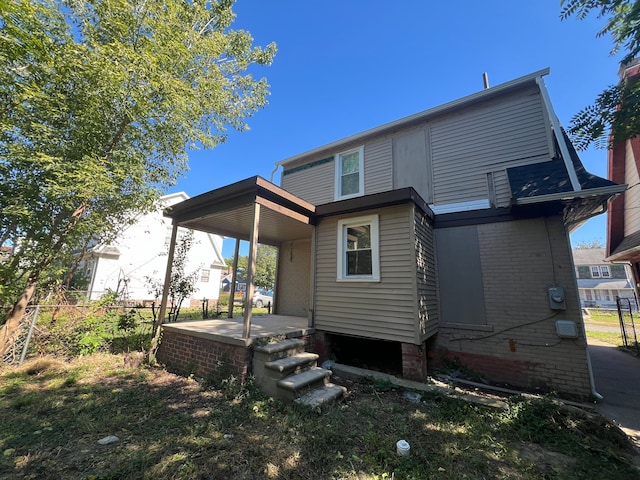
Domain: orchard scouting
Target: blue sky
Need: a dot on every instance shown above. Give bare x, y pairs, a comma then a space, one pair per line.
346, 66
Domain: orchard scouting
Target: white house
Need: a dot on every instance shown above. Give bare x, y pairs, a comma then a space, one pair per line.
140, 252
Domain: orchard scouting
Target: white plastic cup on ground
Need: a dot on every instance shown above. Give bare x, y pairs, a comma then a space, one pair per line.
403, 448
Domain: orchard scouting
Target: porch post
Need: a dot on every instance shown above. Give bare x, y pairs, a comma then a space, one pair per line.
251, 270
167, 276
234, 277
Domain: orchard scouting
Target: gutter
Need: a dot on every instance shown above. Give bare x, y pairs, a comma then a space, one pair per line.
592, 192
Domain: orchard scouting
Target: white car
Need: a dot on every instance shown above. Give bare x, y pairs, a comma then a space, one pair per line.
262, 297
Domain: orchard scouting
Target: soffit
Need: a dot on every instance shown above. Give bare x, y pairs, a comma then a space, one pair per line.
228, 211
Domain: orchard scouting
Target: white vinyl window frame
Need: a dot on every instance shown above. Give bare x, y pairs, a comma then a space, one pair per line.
339, 161
595, 272
605, 272
342, 264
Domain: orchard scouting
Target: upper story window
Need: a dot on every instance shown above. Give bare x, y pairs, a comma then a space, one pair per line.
358, 249
600, 271
349, 174
204, 275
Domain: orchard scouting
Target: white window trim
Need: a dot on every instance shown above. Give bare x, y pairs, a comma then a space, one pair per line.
338, 174
603, 269
595, 272
341, 273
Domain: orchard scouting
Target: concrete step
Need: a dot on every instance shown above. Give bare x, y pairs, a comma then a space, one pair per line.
289, 365
274, 351
296, 385
324, 395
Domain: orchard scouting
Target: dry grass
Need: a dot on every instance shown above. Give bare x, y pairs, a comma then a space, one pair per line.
52, 413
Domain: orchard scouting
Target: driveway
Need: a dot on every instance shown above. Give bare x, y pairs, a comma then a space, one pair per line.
617, 379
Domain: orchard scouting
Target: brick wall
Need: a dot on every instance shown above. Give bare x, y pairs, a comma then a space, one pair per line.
520, 260
414, 362
203, 357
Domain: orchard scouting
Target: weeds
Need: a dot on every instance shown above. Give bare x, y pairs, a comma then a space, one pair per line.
52, 414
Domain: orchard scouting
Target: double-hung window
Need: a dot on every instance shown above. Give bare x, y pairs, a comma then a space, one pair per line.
604, 271
358, 249
349, 174
595, 272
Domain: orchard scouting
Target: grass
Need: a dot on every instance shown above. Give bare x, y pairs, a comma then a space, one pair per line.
52, 413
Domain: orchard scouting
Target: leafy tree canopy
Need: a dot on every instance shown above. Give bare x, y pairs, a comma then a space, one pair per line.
615, 114
99, 100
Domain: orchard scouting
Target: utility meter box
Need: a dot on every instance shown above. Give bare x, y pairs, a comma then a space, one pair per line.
566, 329
557, 299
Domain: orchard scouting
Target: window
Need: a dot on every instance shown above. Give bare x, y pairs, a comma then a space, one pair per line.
604, 271
204, 275
607, 298
595, 272
349, 174
597, 295
588, 295
358, 249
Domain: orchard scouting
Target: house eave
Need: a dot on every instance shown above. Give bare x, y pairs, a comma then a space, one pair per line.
611, 190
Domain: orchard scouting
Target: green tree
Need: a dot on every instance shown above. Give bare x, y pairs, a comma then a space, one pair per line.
99, 100
614, 116
181, 285
266, 262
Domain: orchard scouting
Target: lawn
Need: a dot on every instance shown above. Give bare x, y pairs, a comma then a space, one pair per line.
54, 411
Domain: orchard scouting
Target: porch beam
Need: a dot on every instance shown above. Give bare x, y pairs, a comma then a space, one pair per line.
251, 270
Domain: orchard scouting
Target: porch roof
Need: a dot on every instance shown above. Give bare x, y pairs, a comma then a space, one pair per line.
228, 211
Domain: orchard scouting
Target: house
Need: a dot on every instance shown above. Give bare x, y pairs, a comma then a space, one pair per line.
601, 283
140, 253
623, 220
442, 236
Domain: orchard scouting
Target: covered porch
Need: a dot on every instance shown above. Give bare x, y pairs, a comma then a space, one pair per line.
256, 211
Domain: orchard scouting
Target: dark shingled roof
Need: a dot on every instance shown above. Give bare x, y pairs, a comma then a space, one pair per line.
551, 177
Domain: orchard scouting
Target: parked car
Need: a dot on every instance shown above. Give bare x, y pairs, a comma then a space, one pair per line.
262, 297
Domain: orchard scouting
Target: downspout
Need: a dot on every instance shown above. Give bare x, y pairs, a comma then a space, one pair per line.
564, 150
592, 381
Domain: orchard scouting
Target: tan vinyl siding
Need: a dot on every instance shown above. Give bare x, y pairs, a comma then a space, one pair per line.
383, 310
378, 167
488, 138
632, 195
293, 291
314, 184
425, 276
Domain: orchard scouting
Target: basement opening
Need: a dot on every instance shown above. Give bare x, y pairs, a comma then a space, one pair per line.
378, 355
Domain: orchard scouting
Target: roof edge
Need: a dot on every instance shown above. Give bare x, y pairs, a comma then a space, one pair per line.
488, 92
610, 190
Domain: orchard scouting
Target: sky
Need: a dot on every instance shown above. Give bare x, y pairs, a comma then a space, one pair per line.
344, 66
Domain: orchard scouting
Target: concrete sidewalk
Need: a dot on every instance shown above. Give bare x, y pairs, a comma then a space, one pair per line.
617, 379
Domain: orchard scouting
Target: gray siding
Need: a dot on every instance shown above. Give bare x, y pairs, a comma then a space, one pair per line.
384, 310
507, 132
378, 175
411, 163
425, 277
314, 184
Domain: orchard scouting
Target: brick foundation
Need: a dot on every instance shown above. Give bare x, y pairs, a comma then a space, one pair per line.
414, 362
209, 358
204, 357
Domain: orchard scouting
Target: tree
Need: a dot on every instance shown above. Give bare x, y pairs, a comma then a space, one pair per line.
99, 100
181, 285
585, 245
266, 261
615, 114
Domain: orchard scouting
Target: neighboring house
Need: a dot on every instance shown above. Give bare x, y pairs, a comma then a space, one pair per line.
601, 282
623, 220
140, 253
443, 235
